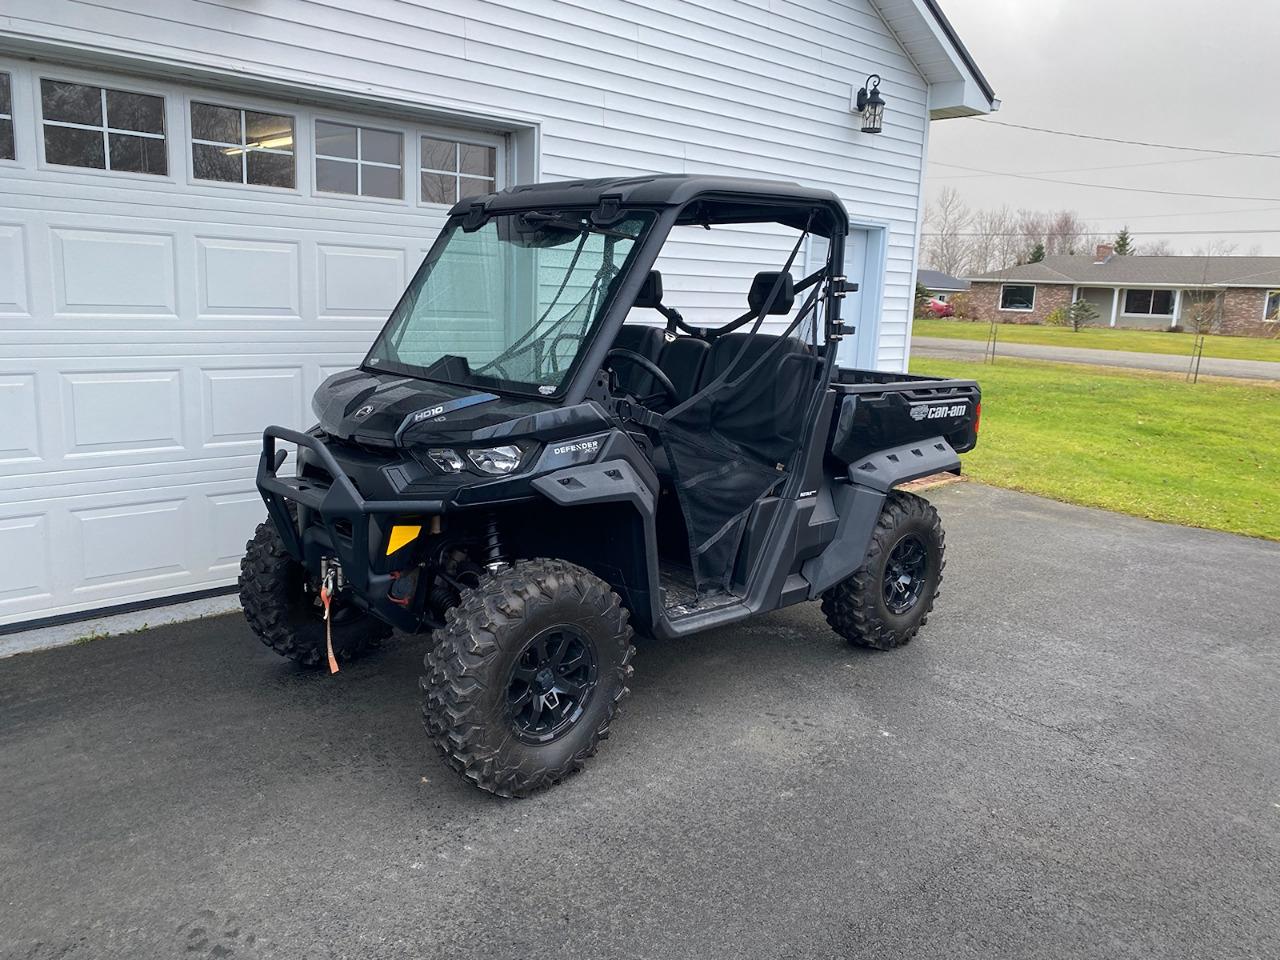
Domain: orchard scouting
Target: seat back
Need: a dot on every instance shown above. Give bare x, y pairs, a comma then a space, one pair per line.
646, 341
682, 360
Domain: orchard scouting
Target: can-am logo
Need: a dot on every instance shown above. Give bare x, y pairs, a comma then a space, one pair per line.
428, 414
363, 411
575, 447
922, 411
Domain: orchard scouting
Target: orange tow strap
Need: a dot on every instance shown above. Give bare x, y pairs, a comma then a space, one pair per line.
325, 597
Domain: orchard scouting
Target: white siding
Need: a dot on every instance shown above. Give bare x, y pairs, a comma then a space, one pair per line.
747, 87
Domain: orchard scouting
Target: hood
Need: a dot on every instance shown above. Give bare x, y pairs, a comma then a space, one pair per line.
384, 409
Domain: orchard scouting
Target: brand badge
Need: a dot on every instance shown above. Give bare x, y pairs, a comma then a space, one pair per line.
363, 411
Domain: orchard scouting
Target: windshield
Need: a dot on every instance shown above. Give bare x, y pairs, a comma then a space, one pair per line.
510, 305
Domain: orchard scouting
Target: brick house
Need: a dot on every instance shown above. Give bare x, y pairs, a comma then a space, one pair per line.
1232, 295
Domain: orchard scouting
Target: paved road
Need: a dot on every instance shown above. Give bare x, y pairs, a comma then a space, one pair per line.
1078, 758
1209, 366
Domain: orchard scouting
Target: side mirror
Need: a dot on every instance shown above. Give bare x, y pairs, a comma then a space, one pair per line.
650, 295
763, 285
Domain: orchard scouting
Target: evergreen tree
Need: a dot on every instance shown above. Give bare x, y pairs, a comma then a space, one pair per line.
1037, 253
1124, 242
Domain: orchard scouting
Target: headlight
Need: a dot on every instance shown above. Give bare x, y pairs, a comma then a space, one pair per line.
446, 460
495, 460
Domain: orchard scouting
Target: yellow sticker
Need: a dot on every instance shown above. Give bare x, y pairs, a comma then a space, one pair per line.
400, 535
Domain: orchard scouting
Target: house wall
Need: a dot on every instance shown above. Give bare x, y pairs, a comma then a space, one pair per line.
985, 300
618, 87
1242, 313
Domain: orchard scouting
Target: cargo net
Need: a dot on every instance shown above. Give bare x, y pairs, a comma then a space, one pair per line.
732, 443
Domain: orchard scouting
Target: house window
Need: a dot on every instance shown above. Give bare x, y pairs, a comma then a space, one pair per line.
6, 118
1271, 307
241, 146
357, 160
452, 170
1154, 303
103, 129
1017, 296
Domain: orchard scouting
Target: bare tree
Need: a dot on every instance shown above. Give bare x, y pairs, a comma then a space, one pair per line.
1215, 248
947, 221
1156, 248
996, 243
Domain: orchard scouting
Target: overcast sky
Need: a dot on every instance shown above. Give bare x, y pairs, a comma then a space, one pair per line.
1167, 71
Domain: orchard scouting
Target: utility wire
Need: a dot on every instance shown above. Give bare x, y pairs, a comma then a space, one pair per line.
1135, 143
1111, 186
1092, 233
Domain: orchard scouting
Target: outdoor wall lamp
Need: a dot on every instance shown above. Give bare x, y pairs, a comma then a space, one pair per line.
871, 105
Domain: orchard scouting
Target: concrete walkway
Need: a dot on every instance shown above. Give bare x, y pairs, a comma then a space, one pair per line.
1176, 363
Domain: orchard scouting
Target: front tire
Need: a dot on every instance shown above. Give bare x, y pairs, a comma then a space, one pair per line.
284, 610
885, 602
524, 679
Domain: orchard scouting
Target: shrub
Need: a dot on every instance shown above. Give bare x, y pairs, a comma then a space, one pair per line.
962, 304
1081, 314
1058, 317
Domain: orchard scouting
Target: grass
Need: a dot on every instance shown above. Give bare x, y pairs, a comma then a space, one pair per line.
1103, 338
1146, 444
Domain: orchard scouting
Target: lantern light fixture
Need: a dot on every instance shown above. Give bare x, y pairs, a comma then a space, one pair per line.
871, 105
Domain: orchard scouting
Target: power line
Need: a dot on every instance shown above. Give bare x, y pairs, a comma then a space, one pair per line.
1109, 166
1091, 233
1110, 186
1134, 143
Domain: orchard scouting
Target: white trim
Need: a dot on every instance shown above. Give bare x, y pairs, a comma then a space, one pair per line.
1000, 299
1266, 298
1115, 305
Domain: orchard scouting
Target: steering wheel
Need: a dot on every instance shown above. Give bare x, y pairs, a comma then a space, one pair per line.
669, 388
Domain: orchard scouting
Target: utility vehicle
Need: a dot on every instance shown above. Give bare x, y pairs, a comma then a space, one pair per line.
541, 458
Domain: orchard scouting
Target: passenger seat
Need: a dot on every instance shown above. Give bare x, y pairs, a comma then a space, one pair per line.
682, 360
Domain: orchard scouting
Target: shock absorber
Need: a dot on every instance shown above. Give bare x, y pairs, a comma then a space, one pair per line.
493, 559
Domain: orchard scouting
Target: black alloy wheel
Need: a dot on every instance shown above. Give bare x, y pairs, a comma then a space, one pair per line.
905, 574
551, 683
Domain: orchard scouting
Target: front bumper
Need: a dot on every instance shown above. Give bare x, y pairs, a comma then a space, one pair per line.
334, 520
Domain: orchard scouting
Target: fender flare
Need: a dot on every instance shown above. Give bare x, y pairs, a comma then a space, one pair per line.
859, 502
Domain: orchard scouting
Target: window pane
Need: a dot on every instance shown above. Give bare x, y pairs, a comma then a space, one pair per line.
439, 188
6, 95
213, 163
439, 154
335, 140
6, 140
1137, 301
71, 102
74, 148
478, 160
1162, 302
135, 111
270, 169
138, 154
381, 146
470, 187
335, 176
1272, 311
221, 124
380, 181
1017, 297
269, 130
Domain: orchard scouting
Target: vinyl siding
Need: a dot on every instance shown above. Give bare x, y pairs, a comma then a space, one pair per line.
744, 87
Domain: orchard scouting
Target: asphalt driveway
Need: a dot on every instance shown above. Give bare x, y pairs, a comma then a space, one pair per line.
1079, 757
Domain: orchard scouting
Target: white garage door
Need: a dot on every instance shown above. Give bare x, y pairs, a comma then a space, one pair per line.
178, 267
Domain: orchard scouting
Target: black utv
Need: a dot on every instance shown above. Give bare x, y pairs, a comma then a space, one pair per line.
541, 458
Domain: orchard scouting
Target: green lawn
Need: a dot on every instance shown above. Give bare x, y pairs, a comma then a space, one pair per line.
1147, 444
1103, 338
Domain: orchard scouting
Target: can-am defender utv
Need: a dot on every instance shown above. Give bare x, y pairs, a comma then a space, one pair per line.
531, 468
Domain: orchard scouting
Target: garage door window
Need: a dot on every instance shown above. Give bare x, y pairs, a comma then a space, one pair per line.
452, 170
103, 129
6, 118
358, 160
232, 145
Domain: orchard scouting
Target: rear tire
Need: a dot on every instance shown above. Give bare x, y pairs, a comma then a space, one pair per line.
886, 601
541, 635
285, 612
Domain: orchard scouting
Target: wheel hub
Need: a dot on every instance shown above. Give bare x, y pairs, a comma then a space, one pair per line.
551, 683
905, 574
